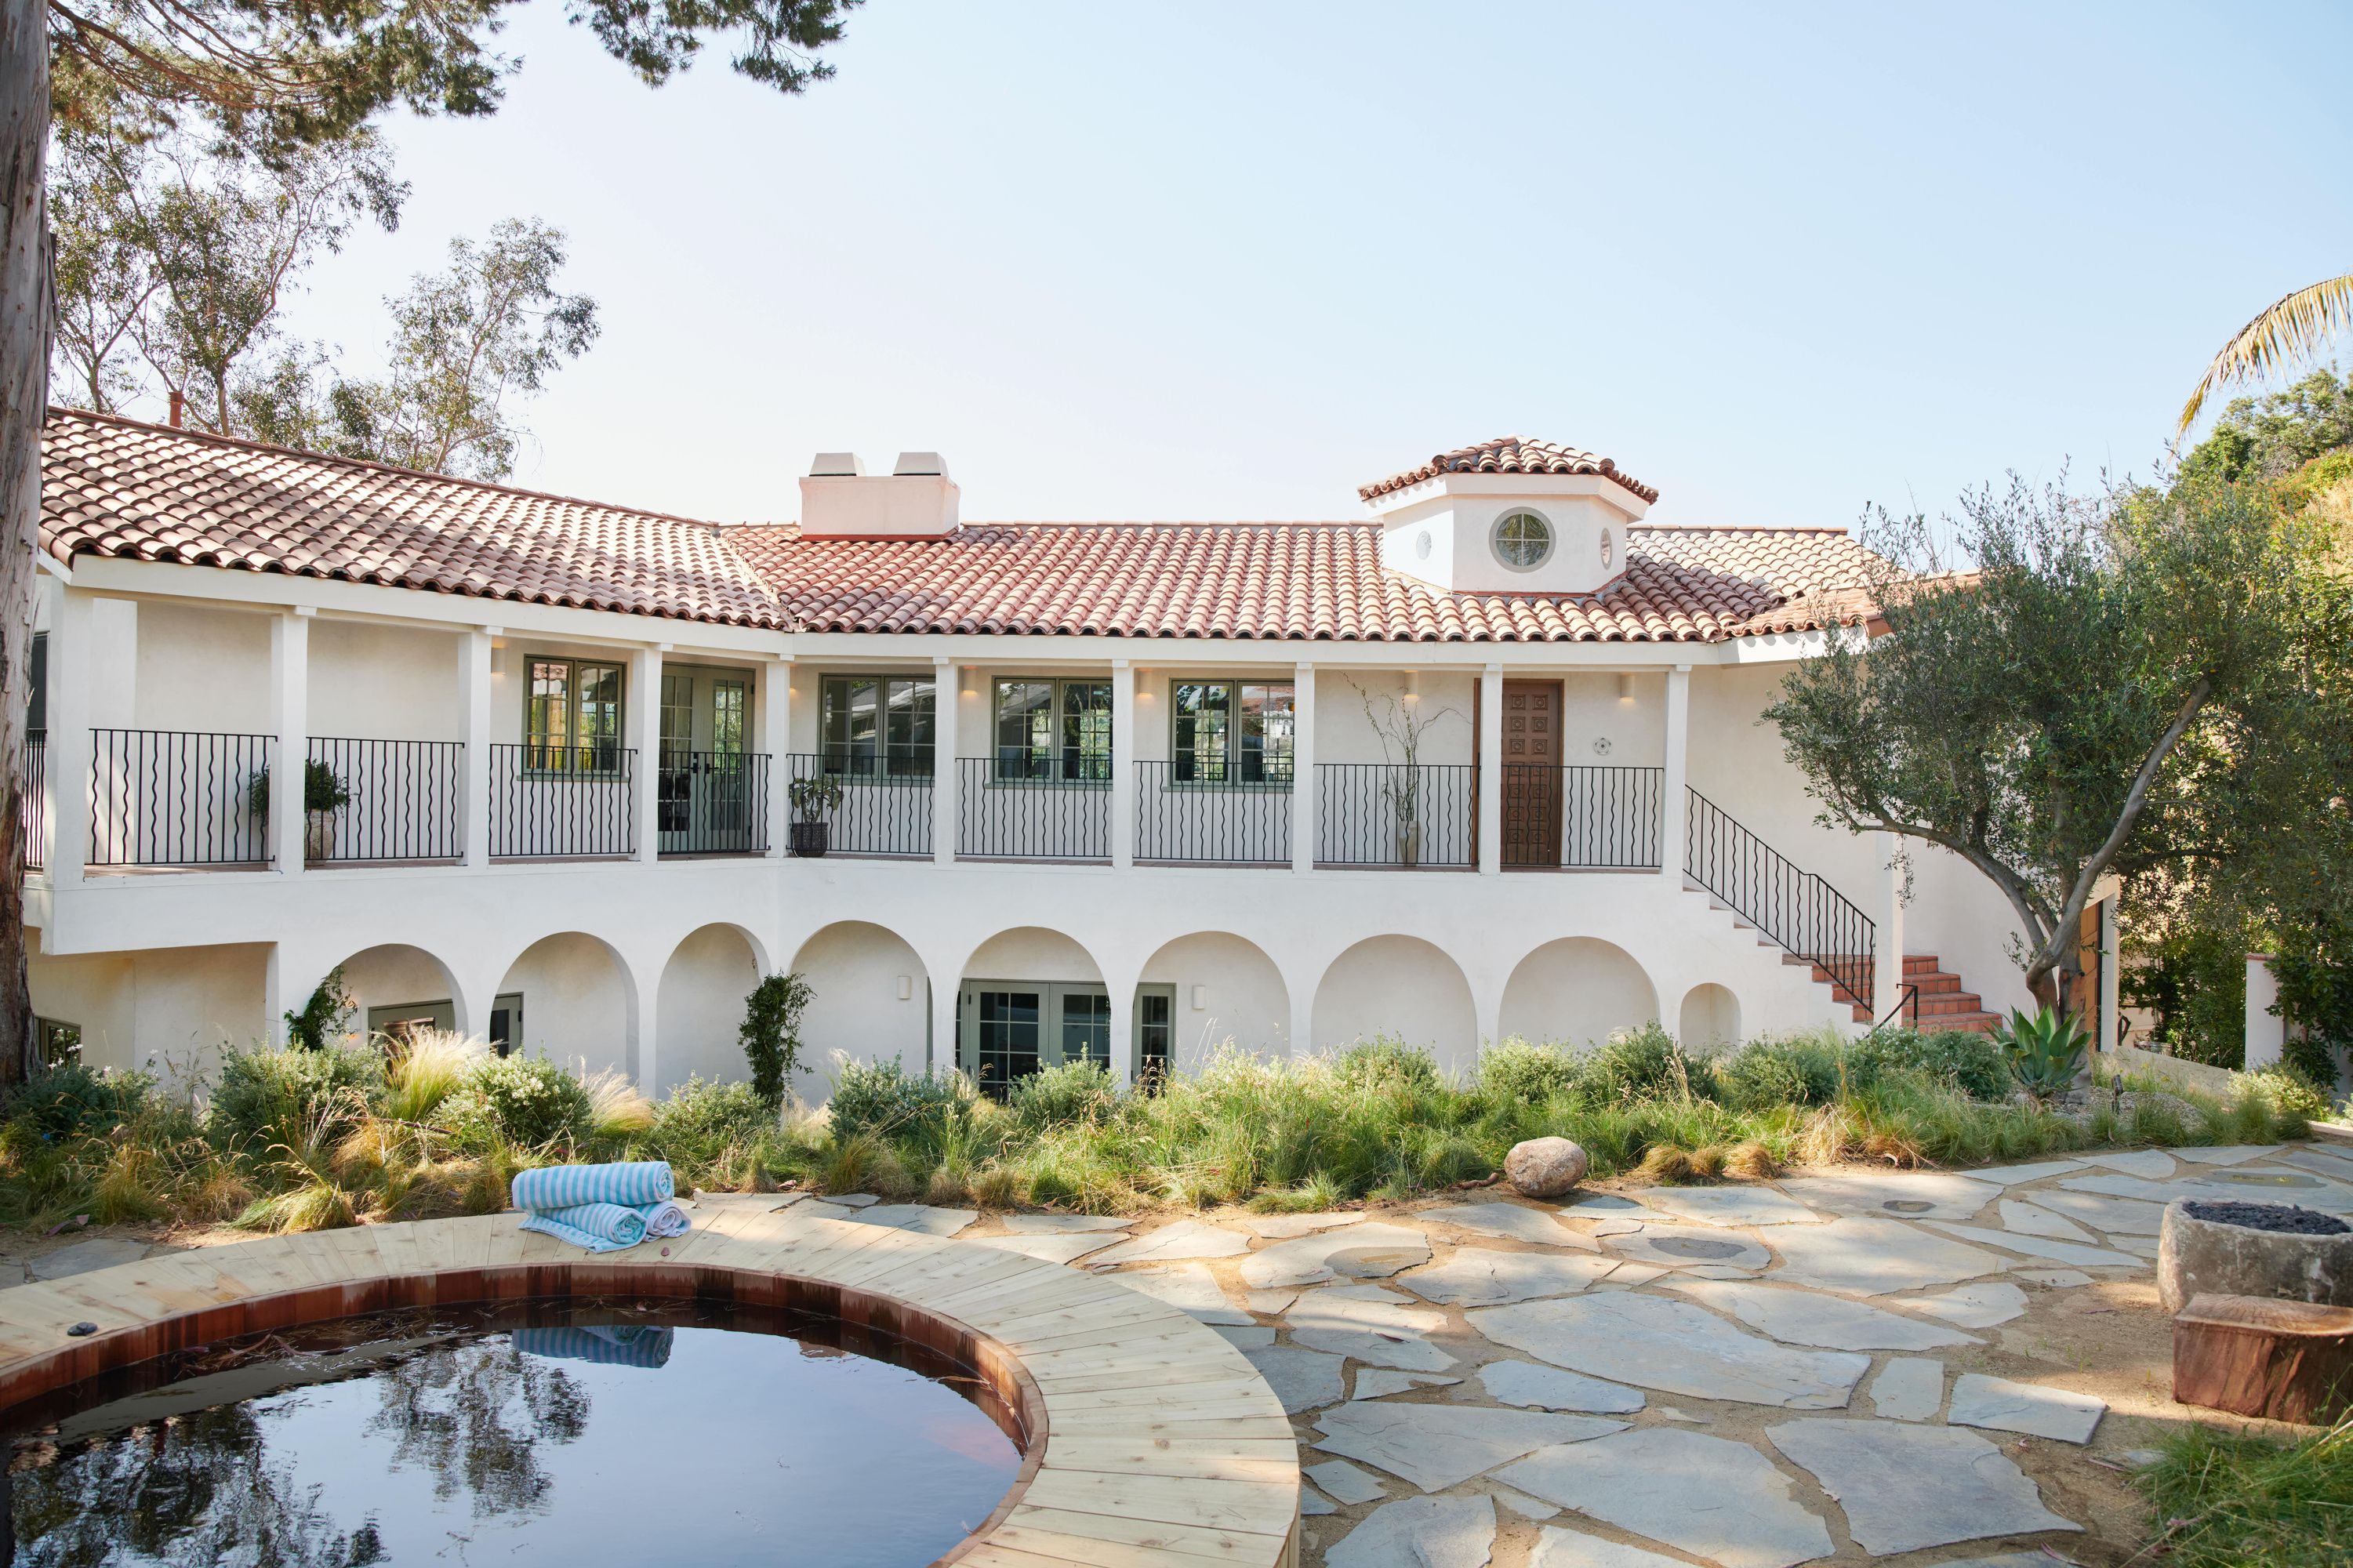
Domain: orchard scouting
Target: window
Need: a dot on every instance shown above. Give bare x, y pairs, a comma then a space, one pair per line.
1053, 730
874, 726
36, 712
572, 717
1523, 540
55, 1042
1155, 1030
1231, 731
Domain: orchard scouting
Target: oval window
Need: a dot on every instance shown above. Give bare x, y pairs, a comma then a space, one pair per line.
1607, 550
1523, 539
1421, 545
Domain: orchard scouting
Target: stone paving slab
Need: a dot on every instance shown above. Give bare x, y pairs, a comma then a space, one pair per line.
1481, 1277
1380, 1382
2012, 1175
2153, 1164
2033, 1219
1302, 1379
82, 1256
1191, 1286
2065, 1252
1675, 1347
1535, 1386
2131, 1216
1183, 1239
2229, 1154
1051, 1248
1420, 1532
1907, 1487
1897, 1195
1059, 1224
921, 1219
2028, 1407
1981, 1304
1345, 1482
1309, 1259
1733, 1206
1283, 1226
1876, 1256
1521, 1503
1509, 1222
1908, 1388
1689, 1246
1558, 1548
1800, 1317
2231, 1185
1439, 1446
1708, 1496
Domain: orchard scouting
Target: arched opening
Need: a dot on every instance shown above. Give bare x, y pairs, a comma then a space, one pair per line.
1032, 998
1710, 1017
1576, 992
396, 989
870, 1001
1202, 990
698, 1006
1402, 988
572, 1002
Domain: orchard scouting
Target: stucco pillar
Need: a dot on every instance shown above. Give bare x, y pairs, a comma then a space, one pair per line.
1887, 956
642, 718
476, 655
2266, 1030
644, 1029
1120, 991
290, 721
1123, 768
1676, 802
1491, 770
67, 765
947, 708
1303, 1012
776, 742
1303, 828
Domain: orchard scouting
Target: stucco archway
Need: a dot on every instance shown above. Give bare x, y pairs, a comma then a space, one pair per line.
1220, 987
579, 1003
1574, 992
396, 985
1401, 988
870, 1001
698, 1006
1709, 1017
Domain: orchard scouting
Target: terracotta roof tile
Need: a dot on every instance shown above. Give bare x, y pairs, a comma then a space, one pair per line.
1509, 455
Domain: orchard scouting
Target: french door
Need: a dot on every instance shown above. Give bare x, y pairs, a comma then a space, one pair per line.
703, 793
1007, 1029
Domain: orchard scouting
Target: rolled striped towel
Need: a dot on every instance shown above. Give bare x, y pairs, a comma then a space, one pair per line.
631, 1184
664, 1218
599, 1227
624, 1344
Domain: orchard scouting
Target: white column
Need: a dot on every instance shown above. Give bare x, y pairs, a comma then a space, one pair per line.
2112, 1029
290, 720
947, 706
642, 709
475, 655
647, 1031
1303, 828
776, 740
1887, 958
1676, 805
68, 763
1123, 784
2266, 1030
1491, 770
1121, 992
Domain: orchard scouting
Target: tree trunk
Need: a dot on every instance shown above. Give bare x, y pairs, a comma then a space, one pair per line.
24, 323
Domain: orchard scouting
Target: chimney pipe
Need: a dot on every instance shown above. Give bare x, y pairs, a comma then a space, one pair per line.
179, 407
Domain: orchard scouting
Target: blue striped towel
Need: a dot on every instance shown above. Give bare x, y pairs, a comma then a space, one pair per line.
665, 1219
606, 1344
631, 1184
599, 1227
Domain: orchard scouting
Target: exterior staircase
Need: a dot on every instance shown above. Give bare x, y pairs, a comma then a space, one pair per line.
1940, 1002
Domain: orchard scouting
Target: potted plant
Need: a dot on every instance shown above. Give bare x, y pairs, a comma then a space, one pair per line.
1401, 725
813, 801
323, 794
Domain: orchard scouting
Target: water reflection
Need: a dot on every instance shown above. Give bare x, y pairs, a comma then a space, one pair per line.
464, 1436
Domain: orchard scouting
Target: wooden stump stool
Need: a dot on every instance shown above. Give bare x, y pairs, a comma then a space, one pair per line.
2289, 1361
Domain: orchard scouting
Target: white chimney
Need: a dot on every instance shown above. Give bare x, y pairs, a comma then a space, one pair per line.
839, 500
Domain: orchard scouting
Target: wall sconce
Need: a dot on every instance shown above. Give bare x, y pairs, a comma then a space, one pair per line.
1625, 686
1143, 685
1200, 997
1413, 686
965, 685
906, 988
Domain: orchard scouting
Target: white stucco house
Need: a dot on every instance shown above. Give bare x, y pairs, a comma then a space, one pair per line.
1482, 762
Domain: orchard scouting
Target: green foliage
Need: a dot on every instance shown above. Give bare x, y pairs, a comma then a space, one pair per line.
1386, 1062
1971, 1062
770, 1033
269, 1098
324, 1016
1766, 1073
816, 797
2045, 1052
2228, 1500
1528, 1074
72, 1101
2291, 1093
1062, 1096
699, 1121
527, 1102
2192, 972
2313, 967
2273, 437
884, 1099
1648, 1061
322, 790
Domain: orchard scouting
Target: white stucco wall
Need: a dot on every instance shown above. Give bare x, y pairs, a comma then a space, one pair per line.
701, 1008
1709, 1017
201, 669
1243, 998
394, 975
1404, 988
1576, 992
168, 1010
576, 1003
382, 683
853, 969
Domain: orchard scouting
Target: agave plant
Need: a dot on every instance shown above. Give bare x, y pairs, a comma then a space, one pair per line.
2045, 1051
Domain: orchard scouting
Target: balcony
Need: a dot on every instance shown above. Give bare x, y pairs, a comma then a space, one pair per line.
1582, 819
33, 806
563, 802
401, 802
883, 810
1405, 815
1182, 820
182, 799
712, 803
1008, 812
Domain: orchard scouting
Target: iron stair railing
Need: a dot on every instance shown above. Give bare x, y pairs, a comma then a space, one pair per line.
1790, 907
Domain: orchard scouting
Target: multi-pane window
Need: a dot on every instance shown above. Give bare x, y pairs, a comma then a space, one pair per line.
1231, 731
572, 716
1156, 1031
877, 726
1086, 1027
1053, 730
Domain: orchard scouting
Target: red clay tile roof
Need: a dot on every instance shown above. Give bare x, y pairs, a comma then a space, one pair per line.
1509, 455
117, 488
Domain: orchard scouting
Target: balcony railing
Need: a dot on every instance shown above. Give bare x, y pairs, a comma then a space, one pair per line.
403, 801
177, 797
1005, 814
883, 811
1585, 819
1420, 815
1223, 822
562, 802
1794, 908
712, 803
33, 813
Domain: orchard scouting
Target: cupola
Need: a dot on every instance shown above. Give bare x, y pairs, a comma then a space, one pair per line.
1509, 516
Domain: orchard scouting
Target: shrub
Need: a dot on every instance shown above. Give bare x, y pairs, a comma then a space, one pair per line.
699, 1120
1971, 1063
526, 1101
323, 1017
2045, 1052
71, 1099
1635, 1063
1387, 1063
772, 1034
884, 1099
2290, 1092
1061, 1096
1530, 1075
268, 1097
1766, 1073
431, 1066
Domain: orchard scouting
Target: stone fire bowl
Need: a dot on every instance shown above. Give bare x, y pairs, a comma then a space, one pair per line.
2198, 1256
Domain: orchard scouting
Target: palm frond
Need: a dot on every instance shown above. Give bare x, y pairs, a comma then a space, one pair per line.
2292, 328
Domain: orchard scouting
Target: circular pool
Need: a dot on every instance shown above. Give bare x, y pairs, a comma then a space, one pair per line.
579, 1431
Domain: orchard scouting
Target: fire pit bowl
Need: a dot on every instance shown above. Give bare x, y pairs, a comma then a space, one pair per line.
2277, 1251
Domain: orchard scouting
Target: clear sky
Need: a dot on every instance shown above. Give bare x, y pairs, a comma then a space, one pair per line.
1229, 261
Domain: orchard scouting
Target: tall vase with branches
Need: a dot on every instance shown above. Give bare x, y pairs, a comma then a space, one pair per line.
1402, 723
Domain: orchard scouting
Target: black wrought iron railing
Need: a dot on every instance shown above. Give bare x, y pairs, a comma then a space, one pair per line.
1002, 817
884, 809
1220, 822
562, 802
401, 800
1582, 819
712, 803
1422, 814
33, 807
1791, 907
179, 797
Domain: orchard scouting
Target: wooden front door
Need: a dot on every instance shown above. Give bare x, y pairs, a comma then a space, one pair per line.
1531, 776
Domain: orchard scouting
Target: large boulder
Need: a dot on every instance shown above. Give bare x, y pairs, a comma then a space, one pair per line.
1544, 1167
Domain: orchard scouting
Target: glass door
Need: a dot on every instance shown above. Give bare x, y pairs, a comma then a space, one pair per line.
674, 785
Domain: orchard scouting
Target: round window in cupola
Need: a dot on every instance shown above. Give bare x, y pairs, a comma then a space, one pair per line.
1523, 540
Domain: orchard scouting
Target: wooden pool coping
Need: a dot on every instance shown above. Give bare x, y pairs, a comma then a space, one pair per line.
1152, 1442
